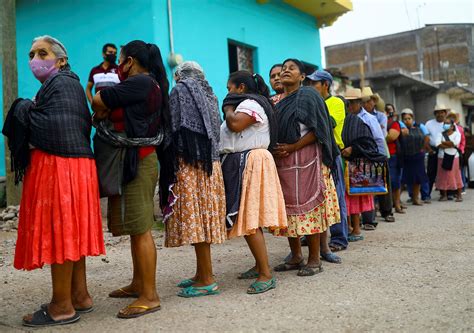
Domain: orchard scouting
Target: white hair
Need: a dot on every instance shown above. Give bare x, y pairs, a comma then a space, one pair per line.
56, 46
189, 69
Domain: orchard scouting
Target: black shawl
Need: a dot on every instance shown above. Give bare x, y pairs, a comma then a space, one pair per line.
264, 102
17, 130
307, 107
58, 122
357, 134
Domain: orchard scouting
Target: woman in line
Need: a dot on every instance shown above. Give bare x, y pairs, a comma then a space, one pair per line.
359, 142
305, 155
448, 176
253, 192
137, 106
60, 218
194, 211
412, 146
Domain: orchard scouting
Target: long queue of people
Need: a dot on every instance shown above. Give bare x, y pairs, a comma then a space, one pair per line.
278, 163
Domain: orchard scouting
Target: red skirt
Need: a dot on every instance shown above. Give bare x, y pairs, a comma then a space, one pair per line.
60, 216
357, 204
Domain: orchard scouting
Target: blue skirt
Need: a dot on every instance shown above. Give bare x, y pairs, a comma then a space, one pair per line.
414, 169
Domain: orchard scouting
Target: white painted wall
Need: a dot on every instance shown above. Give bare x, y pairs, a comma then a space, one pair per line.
452, 103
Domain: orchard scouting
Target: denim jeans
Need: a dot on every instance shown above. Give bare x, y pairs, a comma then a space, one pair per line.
339, 231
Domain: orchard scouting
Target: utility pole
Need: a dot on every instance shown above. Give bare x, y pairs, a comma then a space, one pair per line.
9, 83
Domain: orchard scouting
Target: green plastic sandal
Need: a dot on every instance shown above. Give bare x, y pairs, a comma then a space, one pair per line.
186, 283
248, 275
259, 287
212, 289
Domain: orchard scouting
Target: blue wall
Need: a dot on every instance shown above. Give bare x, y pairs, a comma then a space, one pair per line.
201, 33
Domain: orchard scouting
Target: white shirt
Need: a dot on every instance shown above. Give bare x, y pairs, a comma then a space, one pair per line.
256, 136
434, 129
455, 137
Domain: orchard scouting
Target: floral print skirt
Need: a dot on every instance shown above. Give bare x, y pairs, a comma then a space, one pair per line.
320, 218
198, 214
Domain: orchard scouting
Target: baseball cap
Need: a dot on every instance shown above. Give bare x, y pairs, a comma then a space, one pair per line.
320, 75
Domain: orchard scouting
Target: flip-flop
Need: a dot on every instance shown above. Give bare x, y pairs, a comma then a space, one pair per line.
42, 318
259, 287
288, 267
388, 218
192, 291
459, 200
186, 283
80, 310
400, 211
123, 294
250, 274
147, 309
331, 257
310, 271
355, 238
369, 227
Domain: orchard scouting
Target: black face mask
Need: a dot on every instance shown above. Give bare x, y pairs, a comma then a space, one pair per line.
111, 58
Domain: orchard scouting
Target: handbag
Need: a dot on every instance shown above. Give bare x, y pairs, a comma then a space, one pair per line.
109, 160
364, 177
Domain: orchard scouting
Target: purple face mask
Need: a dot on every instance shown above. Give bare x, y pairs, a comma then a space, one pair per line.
43, 69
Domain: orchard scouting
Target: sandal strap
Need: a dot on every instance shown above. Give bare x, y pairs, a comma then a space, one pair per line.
262, 285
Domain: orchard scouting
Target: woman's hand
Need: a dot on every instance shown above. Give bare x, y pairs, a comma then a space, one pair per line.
283, 150
346, 152
405, 131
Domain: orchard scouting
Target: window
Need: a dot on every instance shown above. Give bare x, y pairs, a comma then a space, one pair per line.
241, 57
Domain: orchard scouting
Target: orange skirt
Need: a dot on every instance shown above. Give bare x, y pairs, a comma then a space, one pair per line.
60, 216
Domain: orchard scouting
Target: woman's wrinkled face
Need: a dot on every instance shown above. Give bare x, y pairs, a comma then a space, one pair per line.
41, 50
407, 120
291, 74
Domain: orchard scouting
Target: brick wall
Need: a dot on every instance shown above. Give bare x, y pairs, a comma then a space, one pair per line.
453, 43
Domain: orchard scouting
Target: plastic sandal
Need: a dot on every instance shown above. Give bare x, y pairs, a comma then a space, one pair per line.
41, 318
288, 267
147, 309
259, 287
310, 271
186, 283
250, 274
389, 218
355, 238
212, 289
369, 227
331, 257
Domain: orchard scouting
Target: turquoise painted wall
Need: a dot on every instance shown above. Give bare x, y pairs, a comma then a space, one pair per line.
201, 33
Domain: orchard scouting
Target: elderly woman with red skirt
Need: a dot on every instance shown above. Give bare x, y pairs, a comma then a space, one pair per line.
60, 218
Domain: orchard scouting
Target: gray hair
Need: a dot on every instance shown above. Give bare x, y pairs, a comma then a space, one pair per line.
189, 70
56, 46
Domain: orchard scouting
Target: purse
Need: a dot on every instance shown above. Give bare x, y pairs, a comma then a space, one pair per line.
109, 160
364, 177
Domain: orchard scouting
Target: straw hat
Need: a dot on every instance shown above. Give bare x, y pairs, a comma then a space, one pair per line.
367, 94
352, 93
440, 107
454, 114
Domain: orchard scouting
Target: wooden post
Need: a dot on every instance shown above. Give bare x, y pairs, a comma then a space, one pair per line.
362, 74
9, 83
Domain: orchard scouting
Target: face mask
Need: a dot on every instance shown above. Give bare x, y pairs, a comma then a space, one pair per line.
446, 126
121, 74
43, 69
111, 58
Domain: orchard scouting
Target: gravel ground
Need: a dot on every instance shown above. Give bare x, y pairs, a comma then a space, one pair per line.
415, 275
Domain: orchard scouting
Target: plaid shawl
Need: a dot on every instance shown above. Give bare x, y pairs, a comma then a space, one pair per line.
357, 134
307, 107
60, 122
